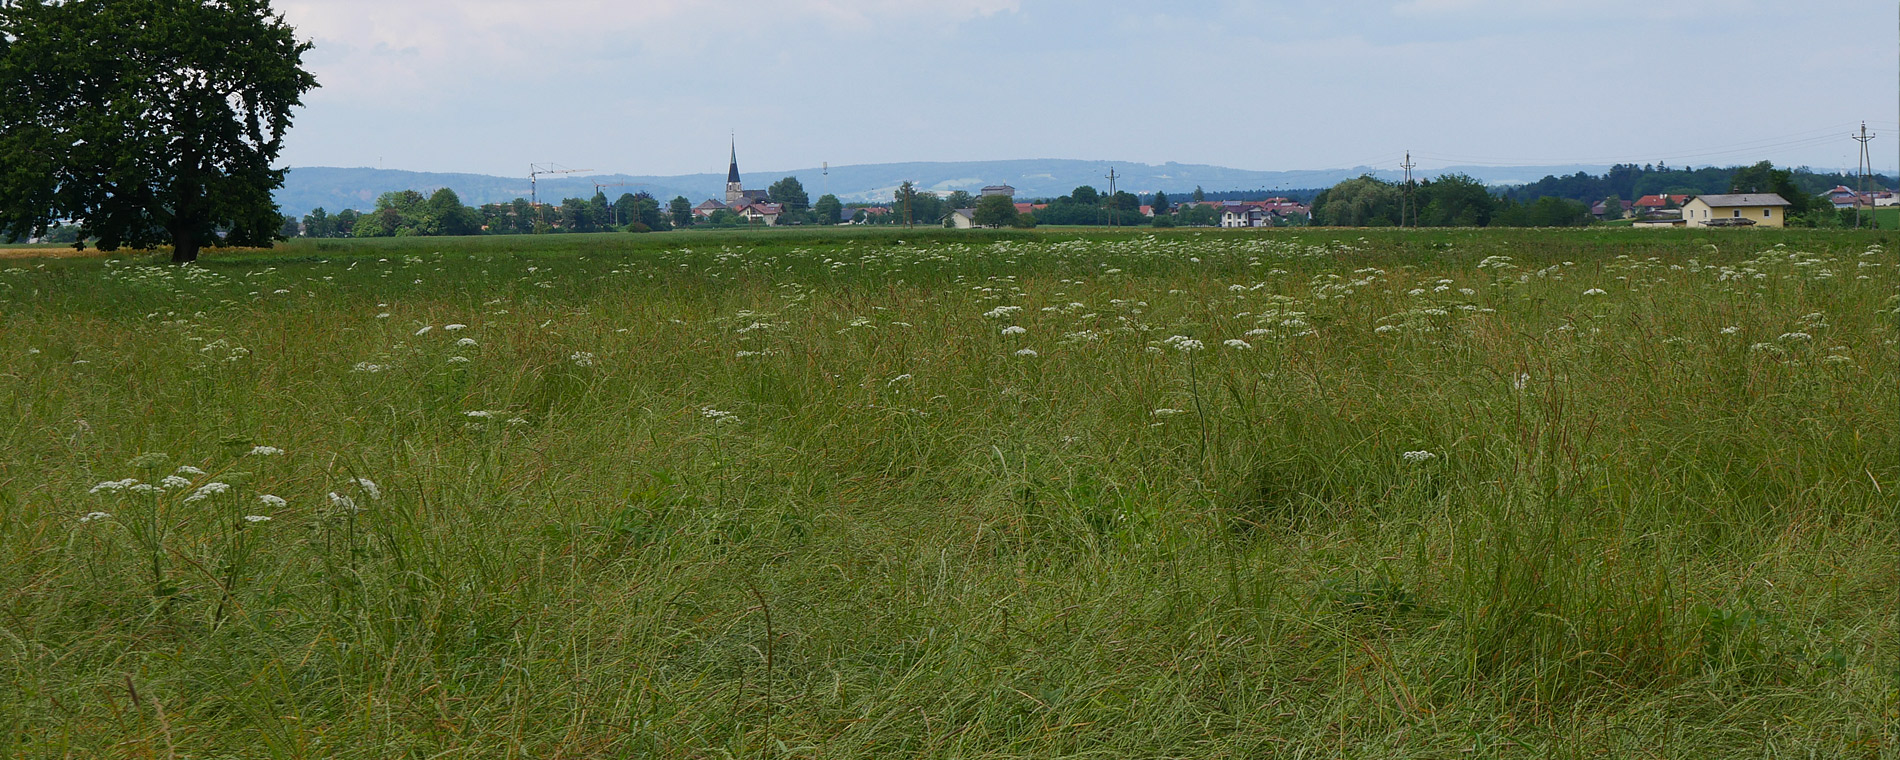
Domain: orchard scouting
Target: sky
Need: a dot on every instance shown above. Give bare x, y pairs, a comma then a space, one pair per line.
660, 86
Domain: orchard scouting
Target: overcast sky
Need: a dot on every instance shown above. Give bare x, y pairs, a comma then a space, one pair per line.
656, 86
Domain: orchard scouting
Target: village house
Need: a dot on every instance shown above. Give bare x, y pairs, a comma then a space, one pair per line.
963, 218
1742, 210
1654, 204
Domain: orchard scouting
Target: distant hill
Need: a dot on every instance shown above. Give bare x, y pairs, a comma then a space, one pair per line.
334, 189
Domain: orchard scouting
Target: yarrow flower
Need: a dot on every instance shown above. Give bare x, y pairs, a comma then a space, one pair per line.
718, 417
425, 329
189, 470
91, 516
341, 502
1165, 412
1027, 352
272, 501
266, 451
1596, 292
257, 518
1731, 330
114, 486
479, 414
1419, 456
454, 327
1014, 330
582, 359
173, 481
1239, 344
369, 487
207, 491
465, 342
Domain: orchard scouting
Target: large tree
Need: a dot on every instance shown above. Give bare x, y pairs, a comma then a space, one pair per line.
789, 193
828, 209
146, 122
995, 211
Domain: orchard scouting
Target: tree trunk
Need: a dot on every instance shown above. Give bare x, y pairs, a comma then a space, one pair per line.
184, 246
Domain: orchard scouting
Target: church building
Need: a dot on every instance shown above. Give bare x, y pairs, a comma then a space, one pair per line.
754, 206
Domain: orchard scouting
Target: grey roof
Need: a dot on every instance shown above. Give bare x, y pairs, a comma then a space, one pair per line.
1743, 201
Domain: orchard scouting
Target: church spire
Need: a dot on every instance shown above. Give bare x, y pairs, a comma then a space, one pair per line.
732, 172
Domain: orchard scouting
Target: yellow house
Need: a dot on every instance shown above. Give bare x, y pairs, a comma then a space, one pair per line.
1750, 210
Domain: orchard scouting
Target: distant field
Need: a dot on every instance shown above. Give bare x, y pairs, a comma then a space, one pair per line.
926, 493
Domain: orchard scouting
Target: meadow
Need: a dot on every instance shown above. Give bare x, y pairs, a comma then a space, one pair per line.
1294, 493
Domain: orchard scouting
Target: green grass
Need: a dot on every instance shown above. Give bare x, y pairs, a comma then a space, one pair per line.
798, 494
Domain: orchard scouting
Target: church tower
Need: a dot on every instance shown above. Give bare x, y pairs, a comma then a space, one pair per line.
735, 192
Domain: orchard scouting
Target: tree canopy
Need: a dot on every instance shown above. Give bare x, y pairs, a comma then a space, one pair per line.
146, 122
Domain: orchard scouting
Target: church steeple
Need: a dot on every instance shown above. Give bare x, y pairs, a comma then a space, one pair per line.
735, 192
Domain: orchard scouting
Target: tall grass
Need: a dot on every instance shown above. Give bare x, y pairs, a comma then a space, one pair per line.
1574, 494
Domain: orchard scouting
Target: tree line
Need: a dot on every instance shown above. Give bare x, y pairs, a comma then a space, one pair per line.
1457, 200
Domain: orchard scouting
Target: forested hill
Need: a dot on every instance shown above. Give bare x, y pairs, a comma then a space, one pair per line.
334, 189
1629, 182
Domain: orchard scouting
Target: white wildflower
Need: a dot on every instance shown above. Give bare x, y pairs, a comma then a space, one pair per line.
1002, 311
581, 359
1795, 337
466, 342
91, 516
114, 486
174, 482
1239, 344
898, 379
1014, 330
425, 329
1419, 456
266, 451
369, 487
272, 501
341, 502
718, 417
455, 327
1731, 330
384, 315
257, 518
189, 470
207, 491
1166, 412
1596, 292
479, 414
1028, 353
458, 360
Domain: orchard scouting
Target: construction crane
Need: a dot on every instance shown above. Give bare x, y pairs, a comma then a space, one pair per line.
534, 173
599, 186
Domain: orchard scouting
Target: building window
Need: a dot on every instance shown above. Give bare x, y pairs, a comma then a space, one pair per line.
1738, 213
1768, 213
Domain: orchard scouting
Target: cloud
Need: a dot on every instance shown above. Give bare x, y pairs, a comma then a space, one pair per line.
397, 52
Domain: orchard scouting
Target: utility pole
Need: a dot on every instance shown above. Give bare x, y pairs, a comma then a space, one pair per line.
1114, 213
1866, 164
1405, 205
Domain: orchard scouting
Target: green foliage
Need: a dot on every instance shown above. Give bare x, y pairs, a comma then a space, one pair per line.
1161, 204
147, 123
789, 193
1449, 493
959, 199
1612, 208
1544, 212
828, 209
995, 211
1364, 202
681, 210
